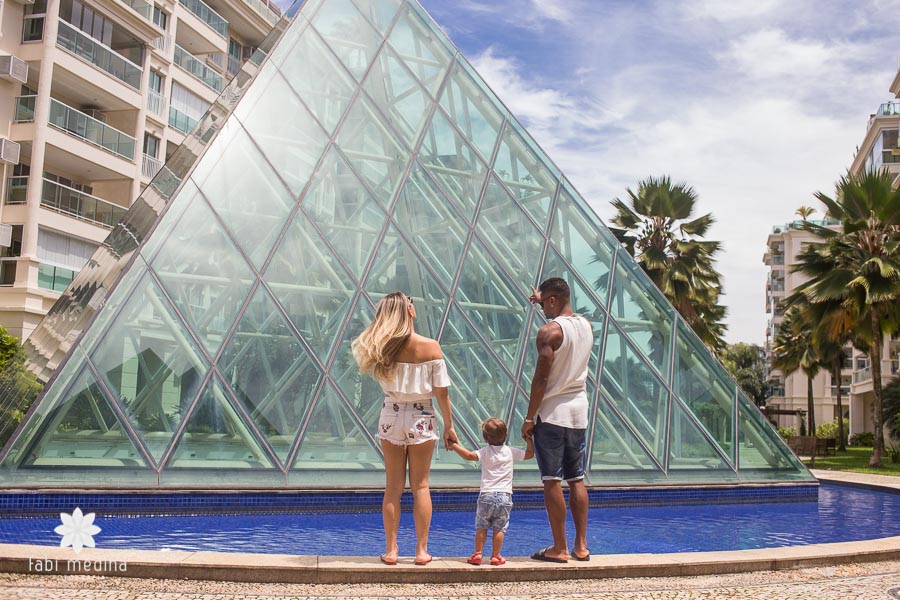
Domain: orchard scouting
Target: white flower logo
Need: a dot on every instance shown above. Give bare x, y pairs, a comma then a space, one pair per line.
78, 530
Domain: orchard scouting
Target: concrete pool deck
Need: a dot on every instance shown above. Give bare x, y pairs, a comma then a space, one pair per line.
273, 568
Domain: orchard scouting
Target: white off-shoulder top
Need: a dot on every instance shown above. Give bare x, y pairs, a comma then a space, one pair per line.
415, 382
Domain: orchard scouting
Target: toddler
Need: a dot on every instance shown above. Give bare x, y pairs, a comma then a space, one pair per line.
495, 499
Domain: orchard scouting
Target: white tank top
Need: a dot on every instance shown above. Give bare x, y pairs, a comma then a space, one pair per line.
565, 400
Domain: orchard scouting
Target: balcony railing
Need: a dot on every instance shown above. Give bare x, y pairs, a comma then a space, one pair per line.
80, 125
234, 65
84, 46
778, 285
181, 121
70, 201
216, 60
207, 15
142, 8
862, 375
798, 223
163, 43
192, 65
151, 166
265, 10
16, 188
888, 109
778, 259
156, 103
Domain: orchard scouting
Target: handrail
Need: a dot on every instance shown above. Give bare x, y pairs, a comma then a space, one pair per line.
206, 14
82, 45
65, 199
191, 64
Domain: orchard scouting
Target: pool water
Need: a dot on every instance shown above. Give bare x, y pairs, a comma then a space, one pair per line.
841, 514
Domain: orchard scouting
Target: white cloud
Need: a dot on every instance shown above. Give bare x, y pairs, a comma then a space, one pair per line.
558, 10
728, 10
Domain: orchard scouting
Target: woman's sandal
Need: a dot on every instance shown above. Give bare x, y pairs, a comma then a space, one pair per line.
475, 559
388, 561
423, 562
497, 560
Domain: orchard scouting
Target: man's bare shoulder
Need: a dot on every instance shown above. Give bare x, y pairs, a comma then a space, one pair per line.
550, 333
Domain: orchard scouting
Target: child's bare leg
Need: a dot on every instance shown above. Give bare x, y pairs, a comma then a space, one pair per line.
480, 539
496, 543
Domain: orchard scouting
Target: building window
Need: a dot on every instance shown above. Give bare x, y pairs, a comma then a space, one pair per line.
33, 26
156, 81
61, 257
54, 278
151, 145
160, 18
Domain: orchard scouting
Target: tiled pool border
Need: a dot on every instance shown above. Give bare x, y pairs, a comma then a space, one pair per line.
39, 503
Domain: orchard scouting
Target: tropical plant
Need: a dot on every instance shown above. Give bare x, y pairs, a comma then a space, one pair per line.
786, 432
793, 350
857, 269
831, 431
892, 407
804, 212
747, 364
654, 226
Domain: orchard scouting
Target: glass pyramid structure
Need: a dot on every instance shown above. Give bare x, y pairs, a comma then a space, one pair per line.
358, 153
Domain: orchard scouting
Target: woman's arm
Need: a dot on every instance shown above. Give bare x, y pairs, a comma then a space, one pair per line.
443, 398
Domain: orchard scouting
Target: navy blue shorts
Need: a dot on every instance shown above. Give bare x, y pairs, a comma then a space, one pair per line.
560, 451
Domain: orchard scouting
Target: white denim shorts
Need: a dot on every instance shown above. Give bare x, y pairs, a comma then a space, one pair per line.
407, 424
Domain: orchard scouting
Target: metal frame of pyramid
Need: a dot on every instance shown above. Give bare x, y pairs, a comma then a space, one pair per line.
207, 342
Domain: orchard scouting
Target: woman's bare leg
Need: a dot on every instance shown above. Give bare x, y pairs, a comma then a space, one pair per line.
419, 470
395, 481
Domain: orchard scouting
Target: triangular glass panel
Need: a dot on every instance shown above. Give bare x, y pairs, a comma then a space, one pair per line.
372, 150
505, 228
111, 304
319, 79
530, 360
216, 436
643, 313
204, 273
151, 364
615, 453
291, 145
526, 176
361, 391
380, 13
473, 110
421, 48
397, 268
493, 303
589, 250
705, 388
454, 164
311, 285
434, 227
183, 199
690, 450
350, 36
398, 95
82, 430
635, 391
243, 183
344, 212
762, 455
335, 439
270, 372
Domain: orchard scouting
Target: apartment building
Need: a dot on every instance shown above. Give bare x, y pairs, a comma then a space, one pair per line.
96, 95
788, 394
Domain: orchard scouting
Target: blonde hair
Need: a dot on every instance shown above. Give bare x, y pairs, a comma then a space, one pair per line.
377, 347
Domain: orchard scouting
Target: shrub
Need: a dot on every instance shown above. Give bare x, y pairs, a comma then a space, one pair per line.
865, 438
786, 432
829, 431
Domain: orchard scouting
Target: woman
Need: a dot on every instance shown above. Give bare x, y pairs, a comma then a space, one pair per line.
411, 371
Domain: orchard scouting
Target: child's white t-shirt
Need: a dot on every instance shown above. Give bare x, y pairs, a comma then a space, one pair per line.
497, 467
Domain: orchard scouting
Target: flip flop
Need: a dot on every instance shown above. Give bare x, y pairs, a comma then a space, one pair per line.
497, 560
542, 555
387, 560
584, 558
424, 562
475, 559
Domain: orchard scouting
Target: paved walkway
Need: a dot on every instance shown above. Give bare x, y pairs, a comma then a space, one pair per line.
891, 481
846, 582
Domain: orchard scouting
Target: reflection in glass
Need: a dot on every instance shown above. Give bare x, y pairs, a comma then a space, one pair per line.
397, 94
614, 450
379, 12
423, 49
362, 391
472, 110
762, 454
349, 35
690, 450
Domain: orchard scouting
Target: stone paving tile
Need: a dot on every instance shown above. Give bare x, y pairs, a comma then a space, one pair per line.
846, 582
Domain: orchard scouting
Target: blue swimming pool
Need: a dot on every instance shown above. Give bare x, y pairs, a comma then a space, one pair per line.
841, 514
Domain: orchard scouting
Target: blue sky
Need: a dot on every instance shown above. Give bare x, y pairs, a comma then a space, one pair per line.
755, 103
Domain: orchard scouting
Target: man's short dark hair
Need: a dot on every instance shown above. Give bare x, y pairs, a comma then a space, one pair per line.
555, 286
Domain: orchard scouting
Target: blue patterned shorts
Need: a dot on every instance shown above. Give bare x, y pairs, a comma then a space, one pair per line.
492, 510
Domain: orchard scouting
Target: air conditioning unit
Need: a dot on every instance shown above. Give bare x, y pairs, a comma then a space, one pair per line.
13, 68
9, 151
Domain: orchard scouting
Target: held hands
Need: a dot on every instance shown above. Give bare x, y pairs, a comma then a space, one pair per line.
450, 438
527, 430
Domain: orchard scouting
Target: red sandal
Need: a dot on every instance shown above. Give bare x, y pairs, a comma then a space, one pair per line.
497, 560
475, 559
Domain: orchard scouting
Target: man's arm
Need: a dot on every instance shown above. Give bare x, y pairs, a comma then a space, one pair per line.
549, 338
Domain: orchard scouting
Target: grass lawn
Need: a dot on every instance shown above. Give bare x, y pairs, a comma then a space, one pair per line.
855, 459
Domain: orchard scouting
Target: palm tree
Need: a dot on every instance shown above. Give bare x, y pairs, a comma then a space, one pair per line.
858, 268
654, 227
804, 212
793, 350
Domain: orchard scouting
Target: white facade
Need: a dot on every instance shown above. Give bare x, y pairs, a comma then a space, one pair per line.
112, 87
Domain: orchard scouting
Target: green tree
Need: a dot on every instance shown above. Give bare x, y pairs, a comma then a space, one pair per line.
18, 386
793, 350
655, 227
858, 268
747, 364
892, 407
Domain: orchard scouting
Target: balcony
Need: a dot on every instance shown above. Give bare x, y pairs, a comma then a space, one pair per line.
103, 57
234, 65
778, 285
150, 166
16, 188
862, 375
216, 60
181, 121
77, 123
163, 43
156, 103
778, 259
207, 15
195, 67
140, 7
888, 109
70, 201
267, 12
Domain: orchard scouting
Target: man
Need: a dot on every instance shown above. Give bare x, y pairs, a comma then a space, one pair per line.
557, 416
